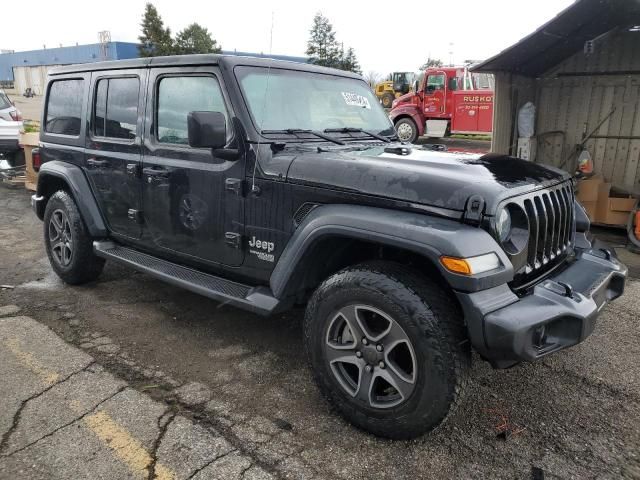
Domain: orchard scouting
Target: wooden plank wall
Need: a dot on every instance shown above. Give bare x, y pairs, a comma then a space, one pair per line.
511, 92
571, 106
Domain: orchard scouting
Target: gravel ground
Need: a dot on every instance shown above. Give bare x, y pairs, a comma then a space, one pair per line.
573, 415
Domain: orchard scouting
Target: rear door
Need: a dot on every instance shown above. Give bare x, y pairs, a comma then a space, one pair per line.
192, 200
114, 147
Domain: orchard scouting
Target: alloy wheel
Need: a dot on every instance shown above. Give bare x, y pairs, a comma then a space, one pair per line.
371, 356
60, 238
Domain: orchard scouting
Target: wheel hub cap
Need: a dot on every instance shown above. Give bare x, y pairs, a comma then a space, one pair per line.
370, 356
405, 132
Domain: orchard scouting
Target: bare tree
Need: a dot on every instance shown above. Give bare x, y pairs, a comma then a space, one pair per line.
372, 77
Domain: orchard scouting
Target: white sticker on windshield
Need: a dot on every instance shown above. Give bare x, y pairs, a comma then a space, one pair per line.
355, 100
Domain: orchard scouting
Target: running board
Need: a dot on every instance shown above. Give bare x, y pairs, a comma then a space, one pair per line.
256, 299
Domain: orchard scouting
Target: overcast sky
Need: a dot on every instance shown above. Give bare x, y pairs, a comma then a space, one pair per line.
385, 39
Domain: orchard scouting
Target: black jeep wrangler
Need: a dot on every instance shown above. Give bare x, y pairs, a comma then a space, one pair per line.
266, 184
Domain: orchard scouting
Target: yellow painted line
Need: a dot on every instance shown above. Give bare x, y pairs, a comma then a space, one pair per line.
118, 439
126, 448
28, 360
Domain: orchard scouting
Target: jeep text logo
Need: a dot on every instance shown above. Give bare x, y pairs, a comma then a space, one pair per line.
266, 246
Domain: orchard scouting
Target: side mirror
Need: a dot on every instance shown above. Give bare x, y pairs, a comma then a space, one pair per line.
415, 86
207, 129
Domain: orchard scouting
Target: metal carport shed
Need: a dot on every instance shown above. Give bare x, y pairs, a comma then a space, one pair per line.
581, 70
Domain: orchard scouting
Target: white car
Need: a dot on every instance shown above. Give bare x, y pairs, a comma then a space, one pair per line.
11, 154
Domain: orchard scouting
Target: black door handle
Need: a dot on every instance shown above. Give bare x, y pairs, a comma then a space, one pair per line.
92, 162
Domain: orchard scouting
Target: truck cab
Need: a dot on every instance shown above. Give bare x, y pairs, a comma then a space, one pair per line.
445, 100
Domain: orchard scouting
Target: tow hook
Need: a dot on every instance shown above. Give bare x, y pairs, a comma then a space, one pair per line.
607, 253
559, 288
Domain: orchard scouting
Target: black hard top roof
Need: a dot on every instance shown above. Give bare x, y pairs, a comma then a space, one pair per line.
194, 60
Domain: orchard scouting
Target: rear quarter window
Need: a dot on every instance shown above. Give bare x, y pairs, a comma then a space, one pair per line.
64, 107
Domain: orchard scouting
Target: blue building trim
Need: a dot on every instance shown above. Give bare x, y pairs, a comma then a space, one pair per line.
91, 53
65, 56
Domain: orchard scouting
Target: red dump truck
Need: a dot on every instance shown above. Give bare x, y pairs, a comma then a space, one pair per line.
445, 100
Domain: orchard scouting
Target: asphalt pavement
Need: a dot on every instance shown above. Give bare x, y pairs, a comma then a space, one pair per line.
128, 377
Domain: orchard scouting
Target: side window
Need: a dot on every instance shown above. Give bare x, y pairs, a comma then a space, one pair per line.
64, 107
453, 84
116, 108
435, 82
177, 96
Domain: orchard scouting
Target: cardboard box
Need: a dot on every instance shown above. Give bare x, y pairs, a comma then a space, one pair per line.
590, 208
29, 141
615, 211
588, 189
602, 202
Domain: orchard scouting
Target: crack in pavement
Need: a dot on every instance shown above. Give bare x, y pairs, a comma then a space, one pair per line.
198, 470
151, 468
242, 473
81, 417
217, 427
16, 417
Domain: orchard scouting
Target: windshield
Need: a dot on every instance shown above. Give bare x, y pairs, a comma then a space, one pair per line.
286, 99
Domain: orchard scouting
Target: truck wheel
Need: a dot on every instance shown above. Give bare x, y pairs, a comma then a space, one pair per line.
387, 100
407, 130
387, 348
68, 244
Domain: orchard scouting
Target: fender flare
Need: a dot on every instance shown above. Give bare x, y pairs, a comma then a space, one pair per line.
413, 113
79, 187
428, 236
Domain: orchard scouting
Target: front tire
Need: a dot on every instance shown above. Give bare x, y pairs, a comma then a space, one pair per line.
387, 100
387, 348
407, 130
68, 243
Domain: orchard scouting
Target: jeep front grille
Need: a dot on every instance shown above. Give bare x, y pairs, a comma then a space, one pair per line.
551, 229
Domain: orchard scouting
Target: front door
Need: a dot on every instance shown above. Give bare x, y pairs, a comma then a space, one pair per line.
114, 147
192, 199
434, 96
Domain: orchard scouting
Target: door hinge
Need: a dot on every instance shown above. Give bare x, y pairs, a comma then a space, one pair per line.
135, 215
234, 185
233, 239
474, 211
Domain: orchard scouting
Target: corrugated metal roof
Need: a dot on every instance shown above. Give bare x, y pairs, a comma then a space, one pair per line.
563, 36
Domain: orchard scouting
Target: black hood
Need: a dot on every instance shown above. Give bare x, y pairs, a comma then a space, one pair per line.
438, 179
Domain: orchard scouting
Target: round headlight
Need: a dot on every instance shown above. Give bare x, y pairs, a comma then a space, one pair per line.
512, 228
503, 225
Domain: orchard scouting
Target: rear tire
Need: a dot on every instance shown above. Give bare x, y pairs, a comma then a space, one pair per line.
68, 243
407, 130
413, 374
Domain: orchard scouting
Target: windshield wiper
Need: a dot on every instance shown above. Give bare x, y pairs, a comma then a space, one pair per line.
295, 131
357, 130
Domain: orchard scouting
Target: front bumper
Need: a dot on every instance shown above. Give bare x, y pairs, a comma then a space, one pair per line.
561, 310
